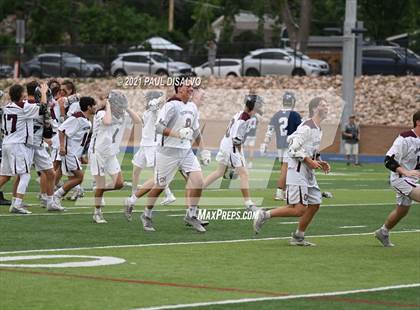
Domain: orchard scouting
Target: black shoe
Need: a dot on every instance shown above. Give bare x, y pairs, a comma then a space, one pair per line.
3, 201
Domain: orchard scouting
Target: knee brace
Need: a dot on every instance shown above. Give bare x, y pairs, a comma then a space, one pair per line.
23, 183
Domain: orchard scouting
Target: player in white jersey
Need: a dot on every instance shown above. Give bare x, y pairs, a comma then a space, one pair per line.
17, 127
230, 156
303, 194
73, 135
67, 90
42, 160
403, 159
145, 156
108, 129
177, 125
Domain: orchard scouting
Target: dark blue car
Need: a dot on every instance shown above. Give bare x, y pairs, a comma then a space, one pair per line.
390, 60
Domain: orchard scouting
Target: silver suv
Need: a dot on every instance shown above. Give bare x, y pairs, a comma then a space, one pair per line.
281, 61
147, 63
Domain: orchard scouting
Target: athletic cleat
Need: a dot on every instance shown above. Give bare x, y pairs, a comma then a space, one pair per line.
168, 200
19, 210
128, 210
300, 241
195, 223
77, 193
203, 223
99, 218
55, 207
4, 201
327, 195
259, 220
383, 238
147, 223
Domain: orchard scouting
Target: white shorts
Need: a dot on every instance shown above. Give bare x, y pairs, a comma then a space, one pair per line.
100, 166
351, 149
55, 155
250, 141
145, 157
297, 194
168, 162
231, 159
42, 159
16, 159
70, 163
283, 155
403, 188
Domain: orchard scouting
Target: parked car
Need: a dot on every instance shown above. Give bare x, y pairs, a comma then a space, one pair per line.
280, 61
389, 60
6, 71
148, 63
325, 67
222, 67
60, 64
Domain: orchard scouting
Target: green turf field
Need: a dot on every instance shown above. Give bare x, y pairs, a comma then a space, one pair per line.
228, 267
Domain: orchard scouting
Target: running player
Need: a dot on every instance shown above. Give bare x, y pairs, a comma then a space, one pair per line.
108, 122
303, 194
403, 159
283, 123
177, 126
73, 134
230, 156
250, 138
145, 156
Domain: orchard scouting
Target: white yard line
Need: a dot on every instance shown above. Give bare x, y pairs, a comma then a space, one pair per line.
357, 226
197, 242
313, 295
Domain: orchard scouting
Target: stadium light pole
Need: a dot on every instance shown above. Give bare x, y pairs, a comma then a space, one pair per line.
348, 60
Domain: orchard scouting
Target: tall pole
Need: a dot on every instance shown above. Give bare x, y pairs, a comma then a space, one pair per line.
171, 16
348, 60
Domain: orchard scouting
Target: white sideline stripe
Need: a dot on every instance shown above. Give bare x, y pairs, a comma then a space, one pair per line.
197, 242
287, 223
246, 300
170, 209
357, 226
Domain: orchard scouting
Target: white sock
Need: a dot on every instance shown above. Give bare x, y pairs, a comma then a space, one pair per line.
49, 199
279, 190
300, 233
18, 202
168, 191
132, 200
148, 212
98, 210
43, 196
78, 187
267, 214
192, 211
59, 192
385, 230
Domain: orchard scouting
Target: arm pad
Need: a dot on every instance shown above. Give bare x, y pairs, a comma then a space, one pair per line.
391, 163
269, 134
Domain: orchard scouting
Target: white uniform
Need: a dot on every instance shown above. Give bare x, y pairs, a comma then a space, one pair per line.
41, 159
103, 146
55, 146
302, 186
231, 151
406, 151
76, 129
73, 108
17, 127
173, 153
145, 156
